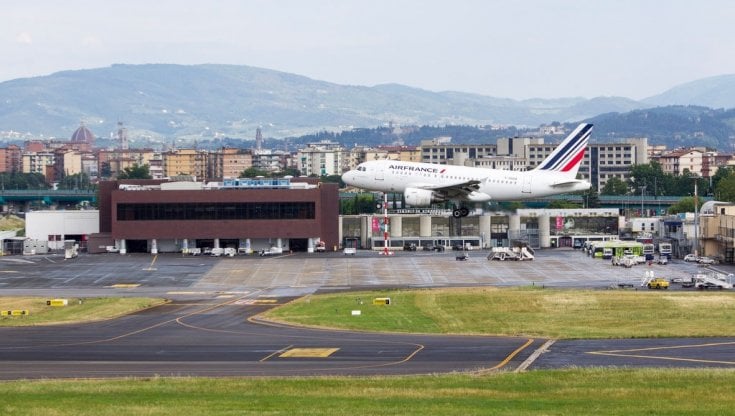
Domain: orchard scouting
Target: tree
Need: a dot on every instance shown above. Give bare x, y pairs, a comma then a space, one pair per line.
75, 181
591, 198
561, 204
135, 172
362, 203
685, 204
333, 179
15, 180
614, 186
725, 189
252, 172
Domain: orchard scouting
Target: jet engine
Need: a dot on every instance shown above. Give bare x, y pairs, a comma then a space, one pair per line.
416, 197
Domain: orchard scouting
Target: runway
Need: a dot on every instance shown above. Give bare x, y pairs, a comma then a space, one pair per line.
208, 330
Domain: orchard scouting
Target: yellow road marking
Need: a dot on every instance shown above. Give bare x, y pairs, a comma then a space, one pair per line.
152, 263
511, 355
629, 353
308, 353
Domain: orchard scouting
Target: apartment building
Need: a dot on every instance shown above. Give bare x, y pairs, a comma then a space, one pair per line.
322, 159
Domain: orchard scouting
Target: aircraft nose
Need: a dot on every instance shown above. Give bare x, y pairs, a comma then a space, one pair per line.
348, 177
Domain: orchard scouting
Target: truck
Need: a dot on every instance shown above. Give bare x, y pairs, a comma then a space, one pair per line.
321, 247
270, 252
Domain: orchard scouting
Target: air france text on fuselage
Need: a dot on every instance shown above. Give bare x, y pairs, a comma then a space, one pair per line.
414, 168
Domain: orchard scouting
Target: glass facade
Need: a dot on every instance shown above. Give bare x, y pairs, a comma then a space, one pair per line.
410, 226
216, 211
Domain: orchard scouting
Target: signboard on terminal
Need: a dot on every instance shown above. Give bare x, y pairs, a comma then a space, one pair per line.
423, 211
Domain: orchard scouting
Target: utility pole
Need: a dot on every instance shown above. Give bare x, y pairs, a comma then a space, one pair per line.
696, 219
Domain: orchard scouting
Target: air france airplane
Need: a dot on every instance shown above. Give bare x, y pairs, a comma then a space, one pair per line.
425, 183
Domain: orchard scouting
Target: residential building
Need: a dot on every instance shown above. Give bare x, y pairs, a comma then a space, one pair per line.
11, 158
321, 159
191, 162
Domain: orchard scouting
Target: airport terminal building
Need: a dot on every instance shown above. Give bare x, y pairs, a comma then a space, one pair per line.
291, 214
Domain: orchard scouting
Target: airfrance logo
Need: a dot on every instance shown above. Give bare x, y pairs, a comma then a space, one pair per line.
423, 169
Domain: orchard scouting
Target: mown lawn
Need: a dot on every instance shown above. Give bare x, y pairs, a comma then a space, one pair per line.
560, 392
523, 312
77, 310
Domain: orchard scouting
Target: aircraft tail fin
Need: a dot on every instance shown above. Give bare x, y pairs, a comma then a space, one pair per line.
567, 157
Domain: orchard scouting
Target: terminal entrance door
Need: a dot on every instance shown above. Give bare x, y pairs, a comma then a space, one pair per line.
298, 244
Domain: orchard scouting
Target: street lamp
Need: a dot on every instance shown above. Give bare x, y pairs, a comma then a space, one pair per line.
696, 218
643, 189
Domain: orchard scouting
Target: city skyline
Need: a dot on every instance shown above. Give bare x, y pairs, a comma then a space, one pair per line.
545, 49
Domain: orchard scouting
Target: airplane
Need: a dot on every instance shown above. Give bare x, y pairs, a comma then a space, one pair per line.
425, 183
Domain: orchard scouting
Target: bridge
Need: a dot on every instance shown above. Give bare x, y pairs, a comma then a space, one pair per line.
658, 205
48, 197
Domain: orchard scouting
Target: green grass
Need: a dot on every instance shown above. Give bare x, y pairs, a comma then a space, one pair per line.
77, 310
523, 312
559, 392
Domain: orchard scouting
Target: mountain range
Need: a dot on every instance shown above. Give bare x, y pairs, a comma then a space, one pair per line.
160, 102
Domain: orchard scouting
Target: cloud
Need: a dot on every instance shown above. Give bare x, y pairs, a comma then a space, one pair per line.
24, 38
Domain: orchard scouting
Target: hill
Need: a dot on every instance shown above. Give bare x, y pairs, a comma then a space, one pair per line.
674, 126
714, 92
204, 101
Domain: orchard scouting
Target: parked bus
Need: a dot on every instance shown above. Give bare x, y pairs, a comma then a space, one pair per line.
648, 251
664, 250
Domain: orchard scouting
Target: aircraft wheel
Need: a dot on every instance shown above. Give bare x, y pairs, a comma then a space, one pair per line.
457, 213
464, 212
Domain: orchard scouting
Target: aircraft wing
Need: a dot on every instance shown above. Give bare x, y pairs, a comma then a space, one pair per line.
565, 183
459, 190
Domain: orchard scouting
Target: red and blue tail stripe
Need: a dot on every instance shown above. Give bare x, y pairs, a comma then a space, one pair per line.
568, 155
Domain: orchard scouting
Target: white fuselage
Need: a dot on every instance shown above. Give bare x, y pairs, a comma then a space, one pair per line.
494, 184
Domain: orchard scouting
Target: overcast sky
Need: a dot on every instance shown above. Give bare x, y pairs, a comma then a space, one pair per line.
513, 49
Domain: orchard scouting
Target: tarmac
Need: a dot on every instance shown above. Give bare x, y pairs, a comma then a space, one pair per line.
211, 327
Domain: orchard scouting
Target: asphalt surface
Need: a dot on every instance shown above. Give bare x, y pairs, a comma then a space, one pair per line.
206, 329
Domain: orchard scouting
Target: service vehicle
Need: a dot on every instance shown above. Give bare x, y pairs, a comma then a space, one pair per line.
658, 283
691, 258
706, 260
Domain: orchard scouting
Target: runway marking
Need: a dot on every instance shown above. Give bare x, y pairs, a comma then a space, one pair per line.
308, 353
124, 285
188, 293
624, 353
256, 302
510, 356
275, 353
542, 349
150, 268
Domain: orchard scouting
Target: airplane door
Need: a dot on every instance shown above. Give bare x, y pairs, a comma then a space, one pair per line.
526, 186
379, 174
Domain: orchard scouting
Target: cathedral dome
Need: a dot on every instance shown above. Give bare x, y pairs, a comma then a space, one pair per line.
82, 135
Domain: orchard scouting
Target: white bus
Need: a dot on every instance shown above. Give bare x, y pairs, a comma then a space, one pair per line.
664, 250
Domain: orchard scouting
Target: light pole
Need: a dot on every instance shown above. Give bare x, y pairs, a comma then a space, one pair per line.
643, 189
696, 219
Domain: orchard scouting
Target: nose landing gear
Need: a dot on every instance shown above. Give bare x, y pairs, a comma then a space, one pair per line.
460, 212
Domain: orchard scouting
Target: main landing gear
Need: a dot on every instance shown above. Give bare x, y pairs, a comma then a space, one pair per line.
460, 212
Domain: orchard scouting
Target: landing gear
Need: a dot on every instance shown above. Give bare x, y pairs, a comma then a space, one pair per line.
460, 212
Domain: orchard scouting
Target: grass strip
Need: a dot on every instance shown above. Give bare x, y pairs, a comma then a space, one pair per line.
529, 311
558, 392
77, 309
